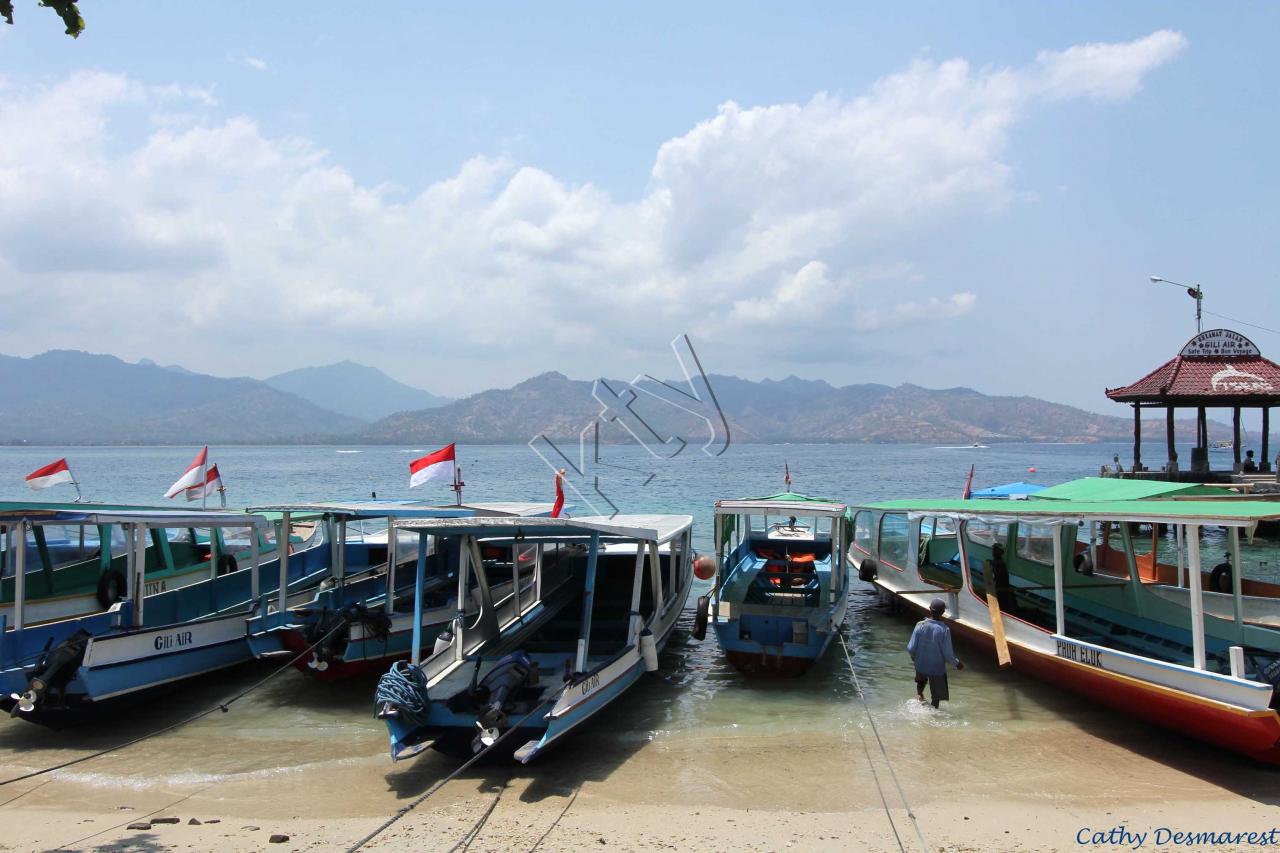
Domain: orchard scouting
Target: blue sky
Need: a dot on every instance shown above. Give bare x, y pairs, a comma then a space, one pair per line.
464, 196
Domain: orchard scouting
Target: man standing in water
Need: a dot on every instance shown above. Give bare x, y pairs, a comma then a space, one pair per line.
930, 649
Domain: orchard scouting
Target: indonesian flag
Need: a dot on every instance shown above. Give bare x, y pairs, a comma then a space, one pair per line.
786, 475
50, 475
968, 486
559, 505
212, 483
194, 476
433, 466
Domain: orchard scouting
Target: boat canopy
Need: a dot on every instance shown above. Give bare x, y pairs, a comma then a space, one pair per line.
149, 517
1008, 490
1113, 489
1223, 513
367, 509
784, 502
647, 528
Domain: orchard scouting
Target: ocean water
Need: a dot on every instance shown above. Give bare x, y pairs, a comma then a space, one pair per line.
697, 695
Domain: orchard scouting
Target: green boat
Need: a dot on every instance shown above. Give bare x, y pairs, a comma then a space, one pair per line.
69, 572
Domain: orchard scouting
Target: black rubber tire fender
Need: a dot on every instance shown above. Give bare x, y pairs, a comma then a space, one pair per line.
227, 564
701, 614
868, 569
111, 587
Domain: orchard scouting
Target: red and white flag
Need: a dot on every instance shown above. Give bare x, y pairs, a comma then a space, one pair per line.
559, 505
433, 466
968, 486
194, 476
786, 475
50, 475
212, 485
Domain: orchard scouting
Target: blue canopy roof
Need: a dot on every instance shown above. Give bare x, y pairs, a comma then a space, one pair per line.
1007, 490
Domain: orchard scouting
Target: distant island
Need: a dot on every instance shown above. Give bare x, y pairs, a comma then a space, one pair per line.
78, 398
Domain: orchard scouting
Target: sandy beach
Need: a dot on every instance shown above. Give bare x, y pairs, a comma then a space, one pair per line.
971, 787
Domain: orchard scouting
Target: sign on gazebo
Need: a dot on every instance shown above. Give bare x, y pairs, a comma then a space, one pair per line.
1219, 343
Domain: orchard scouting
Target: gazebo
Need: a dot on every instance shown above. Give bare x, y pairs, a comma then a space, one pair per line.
1215, 369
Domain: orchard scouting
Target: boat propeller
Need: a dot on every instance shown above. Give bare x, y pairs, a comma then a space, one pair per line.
25, 703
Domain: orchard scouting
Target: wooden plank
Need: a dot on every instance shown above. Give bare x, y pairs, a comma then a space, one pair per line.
997, 618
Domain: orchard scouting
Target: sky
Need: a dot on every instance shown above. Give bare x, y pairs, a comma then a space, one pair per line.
464, 196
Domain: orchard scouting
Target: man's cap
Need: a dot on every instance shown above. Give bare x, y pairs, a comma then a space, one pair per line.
937, 605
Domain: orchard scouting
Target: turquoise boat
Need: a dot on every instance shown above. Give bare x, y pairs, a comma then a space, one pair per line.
782, 589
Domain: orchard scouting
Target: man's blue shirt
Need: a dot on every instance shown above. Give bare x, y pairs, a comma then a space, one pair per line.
930, 647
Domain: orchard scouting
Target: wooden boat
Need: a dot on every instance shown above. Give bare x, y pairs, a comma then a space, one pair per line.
782, 590
1107, 619
74, 569
606, 598
70, 670
365, 618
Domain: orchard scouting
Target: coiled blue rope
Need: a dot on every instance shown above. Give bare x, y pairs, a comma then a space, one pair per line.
405, 686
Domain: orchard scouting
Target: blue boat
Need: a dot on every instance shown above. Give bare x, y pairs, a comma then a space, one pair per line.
526, 672
782, 588
363, 621
71, 670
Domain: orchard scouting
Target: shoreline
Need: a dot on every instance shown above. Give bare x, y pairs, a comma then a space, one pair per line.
971, 788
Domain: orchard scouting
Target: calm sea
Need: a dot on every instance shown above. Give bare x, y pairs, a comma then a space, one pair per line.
698, 694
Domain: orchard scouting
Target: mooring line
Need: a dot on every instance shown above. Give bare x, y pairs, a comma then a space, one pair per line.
472, 834
221, 706
915, 824
404, 810
132, 819
564, 811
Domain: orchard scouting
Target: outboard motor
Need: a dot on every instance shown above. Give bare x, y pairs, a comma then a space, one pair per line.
513, 672
52, 673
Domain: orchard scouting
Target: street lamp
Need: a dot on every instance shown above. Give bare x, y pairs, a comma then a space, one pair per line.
1193, 290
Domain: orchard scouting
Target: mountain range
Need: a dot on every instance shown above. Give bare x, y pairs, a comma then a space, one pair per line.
70, 397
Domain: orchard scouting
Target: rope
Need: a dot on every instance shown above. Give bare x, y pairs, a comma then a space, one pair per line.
564, 811
915, 824
222, 706
474, 833
405, 686
404, 810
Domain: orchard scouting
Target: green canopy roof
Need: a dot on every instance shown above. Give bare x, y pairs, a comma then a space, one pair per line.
1226, 513
1112, 489
788, 497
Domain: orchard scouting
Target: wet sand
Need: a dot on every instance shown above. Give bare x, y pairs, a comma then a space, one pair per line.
973, 785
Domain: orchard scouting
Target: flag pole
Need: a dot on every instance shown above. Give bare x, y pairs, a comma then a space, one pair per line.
76, 483
457, 484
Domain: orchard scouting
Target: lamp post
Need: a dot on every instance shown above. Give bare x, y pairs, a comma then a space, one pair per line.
1193, 290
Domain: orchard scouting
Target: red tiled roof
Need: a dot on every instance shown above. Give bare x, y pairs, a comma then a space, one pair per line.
1250, 379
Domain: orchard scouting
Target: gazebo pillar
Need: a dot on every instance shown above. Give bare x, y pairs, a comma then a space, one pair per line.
1264, 464
1202, 429
1169, 438
1235, 438
1137, 437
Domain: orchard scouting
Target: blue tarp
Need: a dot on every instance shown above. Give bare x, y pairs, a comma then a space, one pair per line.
1008, 490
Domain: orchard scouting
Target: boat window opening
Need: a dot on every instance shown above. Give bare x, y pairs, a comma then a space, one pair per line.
981, 542
1035, 543
862, 532
894, 539
940, 553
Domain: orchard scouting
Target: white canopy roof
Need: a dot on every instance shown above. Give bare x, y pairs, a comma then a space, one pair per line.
649, 528
797, 508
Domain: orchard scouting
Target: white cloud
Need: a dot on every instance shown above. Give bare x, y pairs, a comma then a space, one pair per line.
255, 63
212, 243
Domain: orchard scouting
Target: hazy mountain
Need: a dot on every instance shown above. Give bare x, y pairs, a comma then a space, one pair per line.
70, 397
771, 410
354, 390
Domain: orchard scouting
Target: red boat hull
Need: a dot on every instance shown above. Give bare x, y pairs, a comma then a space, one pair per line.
337, 670
1252, 733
